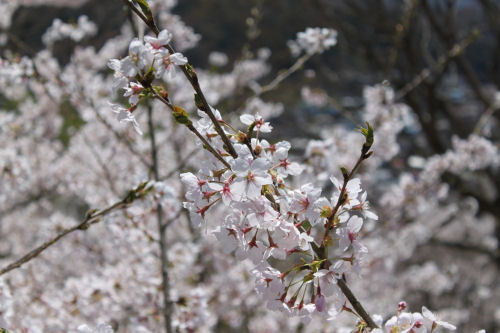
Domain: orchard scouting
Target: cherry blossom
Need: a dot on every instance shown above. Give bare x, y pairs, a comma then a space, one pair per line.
278, 243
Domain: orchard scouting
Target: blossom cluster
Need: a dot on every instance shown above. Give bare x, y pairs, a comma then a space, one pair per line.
266, 219
146, 60
415, 322
265, 216
313, 40
76, 32
261, 206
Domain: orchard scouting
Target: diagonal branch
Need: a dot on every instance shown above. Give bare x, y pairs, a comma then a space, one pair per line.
322, 251
283, 75
447, 38
454, 51
193, 129
91, 218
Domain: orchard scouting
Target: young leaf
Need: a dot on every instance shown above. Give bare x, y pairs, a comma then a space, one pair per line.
145, 9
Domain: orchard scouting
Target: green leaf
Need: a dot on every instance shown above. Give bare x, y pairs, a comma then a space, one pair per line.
89, 214
181, 116
199, 103
368, 133
145, 9
345, 173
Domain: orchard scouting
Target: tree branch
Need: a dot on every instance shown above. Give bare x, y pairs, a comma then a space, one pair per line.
192, 78
322, 251
91, 218
447, 38
161, 230
355, 303
206, 144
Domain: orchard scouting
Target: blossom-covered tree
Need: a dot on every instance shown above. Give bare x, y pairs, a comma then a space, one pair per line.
197, 218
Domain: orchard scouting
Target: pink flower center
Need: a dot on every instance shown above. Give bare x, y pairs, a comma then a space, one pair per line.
305, 203
226, 190
250, 177
136, 89
284, 163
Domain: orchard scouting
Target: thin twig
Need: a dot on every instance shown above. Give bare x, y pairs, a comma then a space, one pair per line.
478, 128
493, 254
446, 36
108, 175
342, 198
455, 51
90, 219
193, 129
322, 250
401, 28
283, 75
161, 230
177, 148
181, 164
37, 196
121, 138
355, 303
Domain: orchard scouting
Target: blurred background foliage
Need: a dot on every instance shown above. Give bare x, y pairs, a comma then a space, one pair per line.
378, 40
441, 56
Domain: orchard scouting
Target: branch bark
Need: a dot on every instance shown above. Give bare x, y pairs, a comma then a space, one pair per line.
161, 231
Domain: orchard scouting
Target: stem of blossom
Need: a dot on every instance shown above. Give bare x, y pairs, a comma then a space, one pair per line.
283, 75
150, 23
206, 144
208, 110
161, 230
340, 201
323, 250
193, 80
91, 218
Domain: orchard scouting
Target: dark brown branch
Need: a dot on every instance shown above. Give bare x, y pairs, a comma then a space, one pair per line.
90, 219
355, 303
206, 144
447, 38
